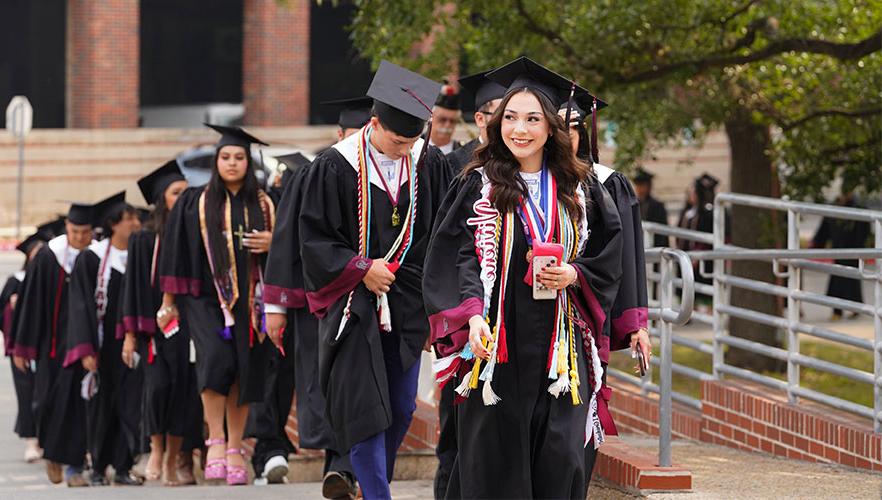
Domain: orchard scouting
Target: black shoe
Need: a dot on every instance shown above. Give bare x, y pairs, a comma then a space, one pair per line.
97, 479
127, 479
338, 485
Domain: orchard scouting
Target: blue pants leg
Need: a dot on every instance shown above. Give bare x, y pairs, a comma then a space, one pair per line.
373, 459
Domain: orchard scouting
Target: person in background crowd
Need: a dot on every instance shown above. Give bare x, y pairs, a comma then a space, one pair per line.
651, 210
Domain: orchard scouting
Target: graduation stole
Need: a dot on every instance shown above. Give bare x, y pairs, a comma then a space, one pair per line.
401, 246
228, 289
103, 281
562, 357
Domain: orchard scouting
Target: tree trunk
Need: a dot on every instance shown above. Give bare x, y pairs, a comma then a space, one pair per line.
752, 172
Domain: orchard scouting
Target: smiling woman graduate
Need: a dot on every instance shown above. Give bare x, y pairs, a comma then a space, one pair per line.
211, 266
528, 343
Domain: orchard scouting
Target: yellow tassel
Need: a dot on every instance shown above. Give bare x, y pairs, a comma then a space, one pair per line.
574, 387
476, 372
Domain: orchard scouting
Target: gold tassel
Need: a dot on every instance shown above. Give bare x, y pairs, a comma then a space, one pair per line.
476, 372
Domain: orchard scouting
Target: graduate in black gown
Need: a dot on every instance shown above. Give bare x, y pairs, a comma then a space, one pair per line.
698, 215
287, 308
445, 117
651, 210
840, 233
111, 389
629, 314
40, 333
354, 113
172, 410
366, 213
25, 423
485, 95
285, 168
535, 364
211, 267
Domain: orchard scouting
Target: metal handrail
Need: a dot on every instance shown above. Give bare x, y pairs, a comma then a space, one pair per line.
788, 264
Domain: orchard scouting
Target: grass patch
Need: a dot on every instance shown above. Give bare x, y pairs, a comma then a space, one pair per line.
819, 381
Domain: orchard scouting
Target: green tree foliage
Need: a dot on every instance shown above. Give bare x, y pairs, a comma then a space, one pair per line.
809, 72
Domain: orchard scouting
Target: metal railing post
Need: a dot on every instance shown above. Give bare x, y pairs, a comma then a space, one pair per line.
720, 297
793, 305
665, 352
877, 344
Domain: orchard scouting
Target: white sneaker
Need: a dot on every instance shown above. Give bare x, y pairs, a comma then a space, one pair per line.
32, 452
275, 471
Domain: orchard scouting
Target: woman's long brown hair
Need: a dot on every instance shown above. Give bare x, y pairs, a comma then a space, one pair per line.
501, 167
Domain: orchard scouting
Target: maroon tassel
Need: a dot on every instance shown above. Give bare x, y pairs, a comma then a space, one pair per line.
595, 152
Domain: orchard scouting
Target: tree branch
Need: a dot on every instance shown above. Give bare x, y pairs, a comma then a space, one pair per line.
852, 146
841, 51
832, 112
552, 36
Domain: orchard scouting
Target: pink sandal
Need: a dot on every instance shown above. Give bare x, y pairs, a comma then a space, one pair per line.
236, 474
215, 468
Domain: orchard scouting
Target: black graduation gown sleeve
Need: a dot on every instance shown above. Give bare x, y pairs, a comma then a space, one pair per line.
82, 334
6, 312
181, 255
33, 320
328, 243
283, 283
629, 312
452, 288
139, 300
600, 268
460, 157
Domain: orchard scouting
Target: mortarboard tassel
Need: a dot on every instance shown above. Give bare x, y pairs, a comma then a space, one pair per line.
595, 152
425, 147
570, 105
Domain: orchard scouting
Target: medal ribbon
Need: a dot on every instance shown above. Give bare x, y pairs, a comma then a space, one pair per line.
532, 218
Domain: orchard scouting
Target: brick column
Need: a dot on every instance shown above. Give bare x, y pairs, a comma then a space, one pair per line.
275, 62
103, 63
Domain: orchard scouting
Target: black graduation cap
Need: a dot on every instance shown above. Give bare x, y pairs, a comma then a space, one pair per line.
483, 89
155, 183
524, 72
28, 243
107, 208
52, 229
355, 112
402, 98
707, 182
448, 98
294, 161
583, 105
234, 136
80, 213
641, 176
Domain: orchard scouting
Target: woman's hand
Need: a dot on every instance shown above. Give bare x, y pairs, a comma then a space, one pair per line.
640, 339
128, 350
258, 241
558, 278
166, 314
479, 328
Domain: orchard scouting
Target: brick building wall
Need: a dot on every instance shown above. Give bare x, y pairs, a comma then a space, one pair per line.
275, 55
103, 50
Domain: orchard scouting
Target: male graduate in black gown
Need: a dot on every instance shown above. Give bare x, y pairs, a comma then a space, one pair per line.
487, 96
40, 333
651, 210
112, 390
286, 301
25, 423
354, 113
366, 213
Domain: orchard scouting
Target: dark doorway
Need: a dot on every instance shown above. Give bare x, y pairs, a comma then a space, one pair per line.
336, 70
32, 46
191, 51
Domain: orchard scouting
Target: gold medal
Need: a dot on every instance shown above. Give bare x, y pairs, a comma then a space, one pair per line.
396, 219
